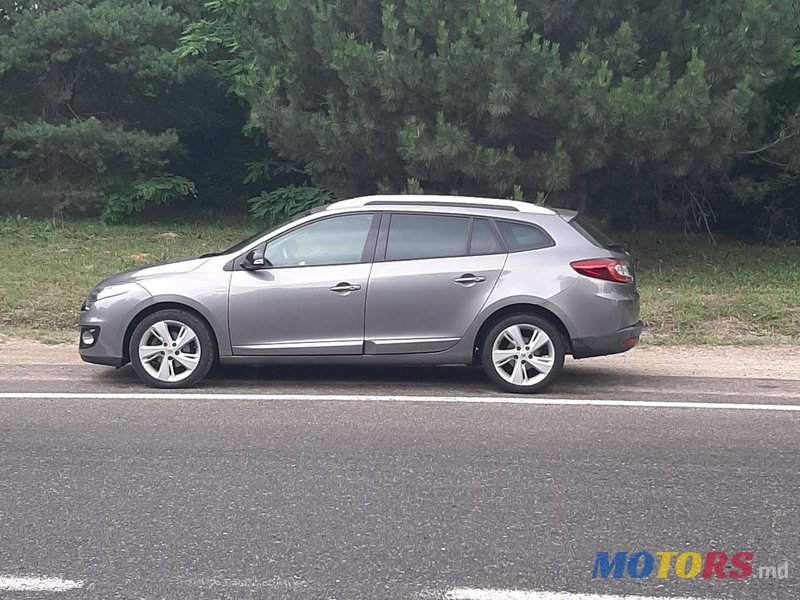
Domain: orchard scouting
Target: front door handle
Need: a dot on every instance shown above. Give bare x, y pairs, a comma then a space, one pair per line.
469, 279
344, 288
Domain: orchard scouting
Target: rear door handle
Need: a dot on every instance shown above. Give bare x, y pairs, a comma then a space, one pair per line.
469, 278
344, 287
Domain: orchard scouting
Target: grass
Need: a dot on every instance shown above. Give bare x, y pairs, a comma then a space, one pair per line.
692, 290
47, 269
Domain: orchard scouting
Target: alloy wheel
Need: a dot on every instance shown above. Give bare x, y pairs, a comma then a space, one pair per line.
169, 351
523, 354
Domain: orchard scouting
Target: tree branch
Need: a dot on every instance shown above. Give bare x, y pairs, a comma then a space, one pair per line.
782, 137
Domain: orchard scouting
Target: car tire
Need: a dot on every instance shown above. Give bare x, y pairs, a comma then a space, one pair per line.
172, 348
523, 354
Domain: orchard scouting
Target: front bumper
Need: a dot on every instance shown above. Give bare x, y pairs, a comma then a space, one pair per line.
107, 346
107, 361
108, 320
619, 341
89, 338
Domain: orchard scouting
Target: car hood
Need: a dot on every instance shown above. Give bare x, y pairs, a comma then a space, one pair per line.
167, 267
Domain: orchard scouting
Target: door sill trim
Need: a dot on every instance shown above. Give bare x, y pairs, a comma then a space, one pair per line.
409, 345
302, 348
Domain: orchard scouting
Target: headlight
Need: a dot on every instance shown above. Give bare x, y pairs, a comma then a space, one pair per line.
107, 292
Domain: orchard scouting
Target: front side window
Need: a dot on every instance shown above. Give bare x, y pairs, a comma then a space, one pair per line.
427, 236
335, 241
519, 236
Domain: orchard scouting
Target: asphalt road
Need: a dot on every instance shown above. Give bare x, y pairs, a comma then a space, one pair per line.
367, 499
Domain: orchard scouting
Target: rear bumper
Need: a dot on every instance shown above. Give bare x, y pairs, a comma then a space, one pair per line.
619, 341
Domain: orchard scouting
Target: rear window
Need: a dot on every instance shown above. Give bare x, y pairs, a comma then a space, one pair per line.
591, 232
519, 236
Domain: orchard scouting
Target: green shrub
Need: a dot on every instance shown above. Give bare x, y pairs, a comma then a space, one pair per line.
284, 202
156, 190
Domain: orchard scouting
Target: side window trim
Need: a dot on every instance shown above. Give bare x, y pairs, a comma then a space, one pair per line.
383, 237
470, 228
499, 235
366, 256
370, 246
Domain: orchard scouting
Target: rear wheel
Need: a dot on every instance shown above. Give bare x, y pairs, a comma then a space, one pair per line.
523, 354
172, 349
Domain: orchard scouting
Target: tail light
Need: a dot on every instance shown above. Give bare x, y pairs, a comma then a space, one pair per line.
610, 269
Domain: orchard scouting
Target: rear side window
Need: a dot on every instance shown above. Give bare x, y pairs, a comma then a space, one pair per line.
484, 240
426, 236
519, 236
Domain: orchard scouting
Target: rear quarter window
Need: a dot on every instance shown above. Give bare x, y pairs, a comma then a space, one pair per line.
521, 236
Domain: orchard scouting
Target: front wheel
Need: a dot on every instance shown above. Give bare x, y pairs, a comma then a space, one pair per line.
172, 349
523, 354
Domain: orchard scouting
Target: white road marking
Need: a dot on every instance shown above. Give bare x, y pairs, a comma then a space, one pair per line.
629, 390
667, 392
31, 583
488, 594
531, 400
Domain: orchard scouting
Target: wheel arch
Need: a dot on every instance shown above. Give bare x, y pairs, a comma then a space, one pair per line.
516, 309
154, 308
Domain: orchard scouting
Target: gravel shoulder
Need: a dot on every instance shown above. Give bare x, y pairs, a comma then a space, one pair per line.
746, 362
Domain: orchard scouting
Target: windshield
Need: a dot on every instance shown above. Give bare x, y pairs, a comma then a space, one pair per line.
246, 242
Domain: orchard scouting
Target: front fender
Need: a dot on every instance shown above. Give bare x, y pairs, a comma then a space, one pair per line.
210, 301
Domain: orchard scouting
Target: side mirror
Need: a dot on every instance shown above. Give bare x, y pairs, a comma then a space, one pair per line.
255, 260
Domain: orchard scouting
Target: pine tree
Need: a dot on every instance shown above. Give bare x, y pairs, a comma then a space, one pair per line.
91, 95
562, 98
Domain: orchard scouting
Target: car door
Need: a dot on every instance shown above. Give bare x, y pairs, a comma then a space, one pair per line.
310, 299
434, 274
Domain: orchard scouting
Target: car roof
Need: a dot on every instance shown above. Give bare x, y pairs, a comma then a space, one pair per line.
406, 201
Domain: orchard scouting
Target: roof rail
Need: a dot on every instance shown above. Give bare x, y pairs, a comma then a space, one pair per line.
431, 200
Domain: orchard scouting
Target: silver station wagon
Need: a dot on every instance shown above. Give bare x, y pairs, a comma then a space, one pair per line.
379, 280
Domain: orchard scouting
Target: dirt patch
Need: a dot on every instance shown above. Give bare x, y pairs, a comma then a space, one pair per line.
28, 352
746, 362
762, 362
